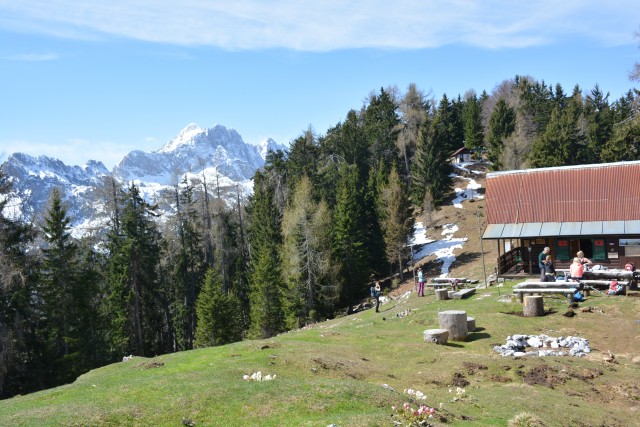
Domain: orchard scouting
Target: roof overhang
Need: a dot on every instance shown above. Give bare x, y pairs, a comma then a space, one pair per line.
560, 229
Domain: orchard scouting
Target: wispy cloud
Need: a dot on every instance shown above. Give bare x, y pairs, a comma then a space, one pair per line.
330, 24
31, 57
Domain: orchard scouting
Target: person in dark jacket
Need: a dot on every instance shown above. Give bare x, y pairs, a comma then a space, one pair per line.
541, 258
549, 270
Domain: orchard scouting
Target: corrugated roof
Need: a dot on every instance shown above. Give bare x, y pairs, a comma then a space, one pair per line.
585, 193
558, 229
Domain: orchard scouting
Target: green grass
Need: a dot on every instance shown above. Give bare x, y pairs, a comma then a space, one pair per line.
333, 373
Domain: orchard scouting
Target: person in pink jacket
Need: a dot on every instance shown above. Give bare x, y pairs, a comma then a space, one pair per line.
576, 269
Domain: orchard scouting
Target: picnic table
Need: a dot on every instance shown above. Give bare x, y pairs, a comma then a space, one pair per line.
536, 287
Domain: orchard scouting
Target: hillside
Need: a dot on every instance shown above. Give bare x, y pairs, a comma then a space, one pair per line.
350, 371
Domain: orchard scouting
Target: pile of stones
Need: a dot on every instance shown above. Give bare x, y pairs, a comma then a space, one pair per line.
543, 345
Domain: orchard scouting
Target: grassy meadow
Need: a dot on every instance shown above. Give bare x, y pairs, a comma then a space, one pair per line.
351, 370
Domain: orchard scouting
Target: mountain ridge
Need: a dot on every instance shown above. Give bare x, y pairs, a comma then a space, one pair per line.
215, 154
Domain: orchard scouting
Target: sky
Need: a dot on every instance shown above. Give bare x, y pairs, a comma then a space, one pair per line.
94, 80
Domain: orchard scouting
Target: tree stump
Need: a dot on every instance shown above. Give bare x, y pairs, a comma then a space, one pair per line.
471, 324
442, 294
454, 321
438, 336
533, 306
451, 294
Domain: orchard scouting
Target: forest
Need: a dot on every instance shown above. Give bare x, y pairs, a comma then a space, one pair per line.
326, 217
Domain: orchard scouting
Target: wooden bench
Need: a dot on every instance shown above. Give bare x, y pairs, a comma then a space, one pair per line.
568, 292
449, 279
441, 285
463, 293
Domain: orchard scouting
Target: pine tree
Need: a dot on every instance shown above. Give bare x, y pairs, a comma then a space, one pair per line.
348, 237
265, 280
59, 280
624, 145
134, 304
381, 129
219, 314
433, 168
560, 143
19, 373
501, 126
472, 119
397, 220
599, 121
414, 110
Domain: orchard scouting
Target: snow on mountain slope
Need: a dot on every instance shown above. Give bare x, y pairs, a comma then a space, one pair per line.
216, 155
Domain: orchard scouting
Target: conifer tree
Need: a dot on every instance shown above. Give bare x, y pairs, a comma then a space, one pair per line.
219, 314
560, 142
305, 255
413, 108
59, 278
381, 129
349, 237
134, 305
265, 280
624, 145
397, 220
472, 119
433, 167
18, 356
501, 126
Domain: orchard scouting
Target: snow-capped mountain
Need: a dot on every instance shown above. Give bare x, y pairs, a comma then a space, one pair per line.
216, 155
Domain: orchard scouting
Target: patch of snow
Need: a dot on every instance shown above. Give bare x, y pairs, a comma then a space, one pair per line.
471, 192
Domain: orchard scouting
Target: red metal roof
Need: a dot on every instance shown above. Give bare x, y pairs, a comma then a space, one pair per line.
602, 192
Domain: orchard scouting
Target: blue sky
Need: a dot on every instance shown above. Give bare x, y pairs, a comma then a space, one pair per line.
85, 80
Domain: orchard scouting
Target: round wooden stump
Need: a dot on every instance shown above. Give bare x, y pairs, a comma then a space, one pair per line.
438, 336
471, 324
442, 294
454, 321
533, 306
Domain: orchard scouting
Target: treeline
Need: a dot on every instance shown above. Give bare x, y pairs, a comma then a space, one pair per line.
325, 218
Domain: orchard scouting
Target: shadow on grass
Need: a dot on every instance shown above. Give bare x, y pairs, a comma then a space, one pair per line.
453, 344
475, 336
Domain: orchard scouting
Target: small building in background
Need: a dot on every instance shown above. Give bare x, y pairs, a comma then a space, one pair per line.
592, 208
462, 155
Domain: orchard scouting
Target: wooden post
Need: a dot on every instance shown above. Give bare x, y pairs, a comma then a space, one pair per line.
442, 294
533, 306
471, 324
438, 336
454, 321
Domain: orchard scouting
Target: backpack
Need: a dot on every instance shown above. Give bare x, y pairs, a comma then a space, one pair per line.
577, 297
374, 293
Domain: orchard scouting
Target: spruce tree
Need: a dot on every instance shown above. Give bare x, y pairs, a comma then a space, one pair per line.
265, 280
397, 220
472, 119
501, 126
349, 237
219, 314
134, 304
59, 278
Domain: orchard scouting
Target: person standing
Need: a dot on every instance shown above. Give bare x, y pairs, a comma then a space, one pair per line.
420, 283
541, 261
375, 293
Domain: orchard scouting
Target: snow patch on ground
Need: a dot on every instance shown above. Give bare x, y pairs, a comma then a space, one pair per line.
441, 249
